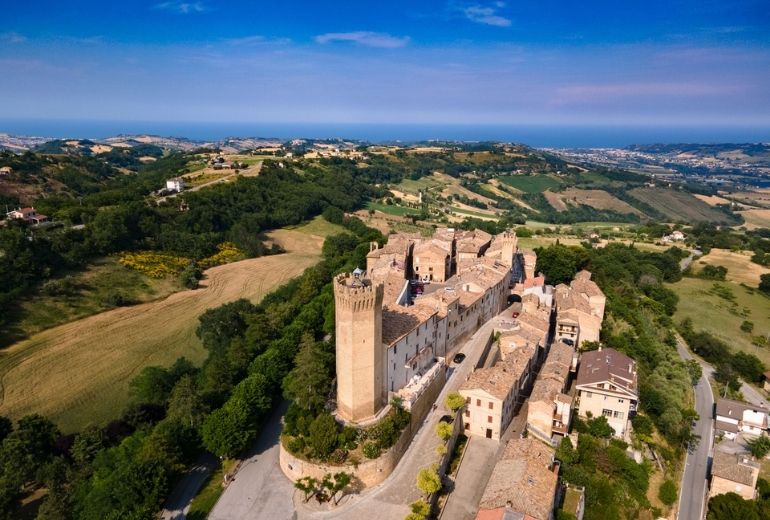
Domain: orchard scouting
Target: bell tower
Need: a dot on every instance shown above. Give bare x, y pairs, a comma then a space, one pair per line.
361, 355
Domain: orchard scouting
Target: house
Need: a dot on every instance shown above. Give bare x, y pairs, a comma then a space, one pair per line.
28, 214
550, 408
579, 311
175, 184
677, 236
523, 484
607, 386
492, 393
734, 417
5, 170
733, 473
432, 262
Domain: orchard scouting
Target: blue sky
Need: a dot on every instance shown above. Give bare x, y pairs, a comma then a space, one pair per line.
477, 62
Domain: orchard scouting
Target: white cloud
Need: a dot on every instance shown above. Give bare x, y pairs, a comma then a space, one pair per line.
180, 7
12, 37
487, 15
368, 38
256, 40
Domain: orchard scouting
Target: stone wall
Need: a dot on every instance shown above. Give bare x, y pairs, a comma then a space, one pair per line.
369, 472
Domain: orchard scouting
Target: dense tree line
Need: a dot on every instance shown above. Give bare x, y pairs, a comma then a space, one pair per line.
126, 469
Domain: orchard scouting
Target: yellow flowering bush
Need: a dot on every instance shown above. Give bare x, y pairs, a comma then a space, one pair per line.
153, 264
227, 252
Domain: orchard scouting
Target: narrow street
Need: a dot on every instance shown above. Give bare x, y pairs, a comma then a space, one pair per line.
692, 495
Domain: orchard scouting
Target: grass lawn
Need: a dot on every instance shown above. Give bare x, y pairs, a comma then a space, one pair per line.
391, 210
739, 266
319, 226
80, 294
208, 495
722, 317
423, 183
531, 183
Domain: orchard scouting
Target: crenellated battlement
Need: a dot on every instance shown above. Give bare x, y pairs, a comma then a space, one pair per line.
357, 293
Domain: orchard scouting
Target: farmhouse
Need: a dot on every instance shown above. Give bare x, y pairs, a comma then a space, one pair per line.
733, 473
607, 386
398, 320
27, 214
5, 170
523, 484
734, 417
175, 184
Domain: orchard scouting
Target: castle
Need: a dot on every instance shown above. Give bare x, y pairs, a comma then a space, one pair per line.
399, 320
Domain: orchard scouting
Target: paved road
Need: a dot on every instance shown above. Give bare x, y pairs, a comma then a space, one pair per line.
695, 477
259, 489
472, 477
178, 502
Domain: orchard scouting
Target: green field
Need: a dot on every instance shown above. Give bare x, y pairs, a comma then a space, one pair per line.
423, 183
701, 302
531, 183
102, 286
398, 211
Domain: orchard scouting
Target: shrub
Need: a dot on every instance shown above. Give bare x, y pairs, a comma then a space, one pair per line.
428, 480
323, 435
454, 401
444, 431
371, 450
760, 446
667, 492
747, 326
226, 252
153, 264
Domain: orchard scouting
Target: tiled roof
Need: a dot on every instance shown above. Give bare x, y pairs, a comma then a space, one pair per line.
498, 380
736, 468
608, 365
735, 409
522, 480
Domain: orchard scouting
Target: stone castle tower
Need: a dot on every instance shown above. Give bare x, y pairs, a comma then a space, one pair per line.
510, 243
361, 355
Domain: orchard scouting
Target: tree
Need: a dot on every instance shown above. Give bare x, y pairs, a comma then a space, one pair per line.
764, 283
668, 492
444, 431
428, 480
190, 276
186, 404
309, 382
599, 427
228, 430
420, 507
694, 369
760, 446
730, 506
747, 326
455, 401
307, 485
6, 427
323, 435
341, 481
87, 445
151, 386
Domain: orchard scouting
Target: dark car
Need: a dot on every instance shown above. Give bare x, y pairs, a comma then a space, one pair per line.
446, 419
568, 341
459, 358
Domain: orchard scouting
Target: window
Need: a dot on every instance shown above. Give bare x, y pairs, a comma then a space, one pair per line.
478, 402
467, 426
589, 395
491, 405
467, 413
489, 418
467, 400
607, 413
395, 349
618, 415
620, 400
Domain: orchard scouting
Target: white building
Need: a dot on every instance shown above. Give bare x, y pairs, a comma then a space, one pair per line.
176, 184
733, 417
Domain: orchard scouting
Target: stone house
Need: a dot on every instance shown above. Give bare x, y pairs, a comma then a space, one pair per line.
523, 484
549, 411
28, 214
734, 473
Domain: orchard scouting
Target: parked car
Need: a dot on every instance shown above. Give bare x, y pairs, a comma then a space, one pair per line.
568, 341
446, 418
459, 358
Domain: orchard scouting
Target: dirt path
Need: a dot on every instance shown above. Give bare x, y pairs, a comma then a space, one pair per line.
78, 373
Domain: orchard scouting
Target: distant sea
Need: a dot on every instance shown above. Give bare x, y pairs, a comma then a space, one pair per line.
573, 136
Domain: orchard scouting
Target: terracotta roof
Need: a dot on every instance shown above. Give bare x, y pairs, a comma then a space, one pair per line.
553, 375
738, 468
608, 365
586, 287
397, 321
522, 480
498, 380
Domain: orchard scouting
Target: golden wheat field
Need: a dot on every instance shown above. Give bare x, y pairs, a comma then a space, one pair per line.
78, 373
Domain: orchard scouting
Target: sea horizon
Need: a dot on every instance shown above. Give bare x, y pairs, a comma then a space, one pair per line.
540, 136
